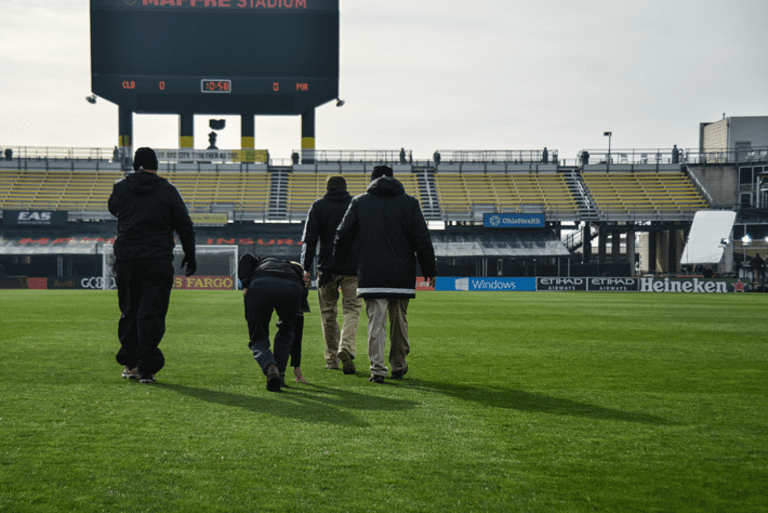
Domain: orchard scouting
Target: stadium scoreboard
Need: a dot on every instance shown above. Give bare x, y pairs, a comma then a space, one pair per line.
215, 56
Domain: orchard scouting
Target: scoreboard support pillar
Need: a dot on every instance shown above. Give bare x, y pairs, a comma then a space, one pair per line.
125, 137
186, 130
308, 137
247, 138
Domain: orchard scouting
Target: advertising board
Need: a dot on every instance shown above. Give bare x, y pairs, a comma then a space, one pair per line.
34, 217
487, 284
514, 220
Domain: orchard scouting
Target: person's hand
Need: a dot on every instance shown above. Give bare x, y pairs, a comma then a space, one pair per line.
191, 264
299, 376
245, 291
323, 278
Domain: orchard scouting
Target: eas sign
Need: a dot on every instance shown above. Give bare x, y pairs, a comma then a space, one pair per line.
34, 217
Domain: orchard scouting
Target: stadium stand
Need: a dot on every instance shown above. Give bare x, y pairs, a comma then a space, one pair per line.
615, 194
89, 190
303, 188
506, 191
56, 189
637, 193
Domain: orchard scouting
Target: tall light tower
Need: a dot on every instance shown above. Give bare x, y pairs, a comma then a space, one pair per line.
608, 135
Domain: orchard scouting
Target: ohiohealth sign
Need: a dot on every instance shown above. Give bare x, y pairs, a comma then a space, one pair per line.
514, 221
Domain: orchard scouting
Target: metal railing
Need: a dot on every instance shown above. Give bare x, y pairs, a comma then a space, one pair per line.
642, 156
401, 156
57, 153
492, 156
657, 156
756, 155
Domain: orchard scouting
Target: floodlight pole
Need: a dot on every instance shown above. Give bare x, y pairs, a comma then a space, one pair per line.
608, 134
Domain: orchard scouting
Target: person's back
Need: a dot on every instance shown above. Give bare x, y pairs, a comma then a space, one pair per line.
323, 218
148, 210
392, 233
271, 284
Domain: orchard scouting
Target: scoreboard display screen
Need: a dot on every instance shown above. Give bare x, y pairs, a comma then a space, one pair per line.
215, 56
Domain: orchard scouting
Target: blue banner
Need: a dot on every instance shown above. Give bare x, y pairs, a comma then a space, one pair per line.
486, 284
514, 220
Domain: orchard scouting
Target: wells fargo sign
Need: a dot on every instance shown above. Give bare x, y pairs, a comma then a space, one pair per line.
204, 282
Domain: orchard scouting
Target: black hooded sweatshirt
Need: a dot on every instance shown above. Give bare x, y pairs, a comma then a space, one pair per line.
149, 209
323, 218
392, 233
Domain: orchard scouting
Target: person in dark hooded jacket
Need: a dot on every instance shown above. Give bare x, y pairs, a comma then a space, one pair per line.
323, 218
392, 233
148, 209
280, 286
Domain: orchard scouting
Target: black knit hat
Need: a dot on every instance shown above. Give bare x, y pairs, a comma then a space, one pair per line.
145, 159
336, 182
379, 171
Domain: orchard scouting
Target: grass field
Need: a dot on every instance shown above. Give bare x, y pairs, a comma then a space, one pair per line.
514, 402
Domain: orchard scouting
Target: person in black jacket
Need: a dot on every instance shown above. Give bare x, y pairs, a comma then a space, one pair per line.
323, 218
148, 210
758, 269
270, 284
392, 234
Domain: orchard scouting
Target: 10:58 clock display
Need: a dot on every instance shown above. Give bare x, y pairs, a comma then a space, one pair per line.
216, 86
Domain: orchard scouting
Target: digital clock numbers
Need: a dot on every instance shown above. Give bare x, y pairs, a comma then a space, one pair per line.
216, 86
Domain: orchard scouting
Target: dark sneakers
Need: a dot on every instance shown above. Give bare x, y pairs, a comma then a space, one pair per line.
149, 380
347, 363
398, 374
273, 378
376, 379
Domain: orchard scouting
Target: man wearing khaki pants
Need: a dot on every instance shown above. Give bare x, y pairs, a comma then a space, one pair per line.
323, 217
389, 227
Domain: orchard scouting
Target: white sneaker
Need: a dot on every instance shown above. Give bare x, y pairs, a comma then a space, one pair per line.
131, 373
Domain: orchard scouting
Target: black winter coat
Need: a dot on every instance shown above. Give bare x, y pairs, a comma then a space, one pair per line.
250, 268
323, 218
392, 233
149, 209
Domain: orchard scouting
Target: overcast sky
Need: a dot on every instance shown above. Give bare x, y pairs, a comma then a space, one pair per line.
440, 74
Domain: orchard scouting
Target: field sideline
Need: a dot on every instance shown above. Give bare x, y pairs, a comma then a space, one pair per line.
564, 402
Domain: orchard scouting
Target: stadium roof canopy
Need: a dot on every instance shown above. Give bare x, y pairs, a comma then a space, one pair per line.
510, 244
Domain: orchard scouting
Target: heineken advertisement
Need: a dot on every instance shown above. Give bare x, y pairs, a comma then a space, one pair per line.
694, 285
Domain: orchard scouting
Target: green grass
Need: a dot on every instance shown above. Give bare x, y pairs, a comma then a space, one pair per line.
514, 402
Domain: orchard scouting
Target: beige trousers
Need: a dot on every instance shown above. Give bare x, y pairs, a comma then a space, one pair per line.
328, 297
399, 347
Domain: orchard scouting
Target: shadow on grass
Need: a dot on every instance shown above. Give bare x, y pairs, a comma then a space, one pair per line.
534, 402
310, 403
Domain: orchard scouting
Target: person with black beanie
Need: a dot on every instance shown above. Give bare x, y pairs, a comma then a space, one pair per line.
148, 209
392, 234
323, 218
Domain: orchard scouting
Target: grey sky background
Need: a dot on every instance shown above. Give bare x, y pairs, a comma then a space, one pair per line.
440, 74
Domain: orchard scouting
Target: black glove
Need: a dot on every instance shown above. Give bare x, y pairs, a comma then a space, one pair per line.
191, 264
323, 278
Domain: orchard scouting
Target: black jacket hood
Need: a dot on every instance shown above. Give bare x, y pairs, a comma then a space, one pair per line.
337, 195
142, 183
386, 186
